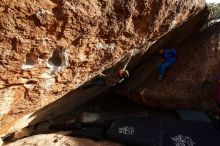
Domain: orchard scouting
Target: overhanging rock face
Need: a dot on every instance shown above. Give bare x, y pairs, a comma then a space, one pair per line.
48, 48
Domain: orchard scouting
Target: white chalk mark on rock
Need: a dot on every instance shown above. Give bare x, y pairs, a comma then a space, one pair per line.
6, 100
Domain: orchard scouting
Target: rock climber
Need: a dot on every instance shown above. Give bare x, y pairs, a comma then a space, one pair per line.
121, 75
111, 79
169, 56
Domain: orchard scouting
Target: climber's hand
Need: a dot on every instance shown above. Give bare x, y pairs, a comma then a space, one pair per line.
161, 51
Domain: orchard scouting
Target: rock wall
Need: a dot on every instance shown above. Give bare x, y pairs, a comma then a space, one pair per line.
151, 58
50, 47
189, 82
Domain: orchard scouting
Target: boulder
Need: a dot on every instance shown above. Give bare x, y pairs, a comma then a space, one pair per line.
189, 82
49, 48
58, 140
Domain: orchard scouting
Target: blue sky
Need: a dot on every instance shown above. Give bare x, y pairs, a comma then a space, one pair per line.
213, 1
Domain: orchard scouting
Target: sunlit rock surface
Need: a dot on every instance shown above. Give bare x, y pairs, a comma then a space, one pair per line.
59, 140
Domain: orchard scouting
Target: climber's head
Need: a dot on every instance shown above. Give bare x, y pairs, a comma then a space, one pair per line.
124, 73
161, 51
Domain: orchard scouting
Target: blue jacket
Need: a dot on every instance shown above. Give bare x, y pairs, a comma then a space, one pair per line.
169, 55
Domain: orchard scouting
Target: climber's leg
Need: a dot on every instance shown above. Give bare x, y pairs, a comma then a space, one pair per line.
162, 68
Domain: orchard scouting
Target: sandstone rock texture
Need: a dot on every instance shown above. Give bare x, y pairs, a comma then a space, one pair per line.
58, 140
50, 47
187, 83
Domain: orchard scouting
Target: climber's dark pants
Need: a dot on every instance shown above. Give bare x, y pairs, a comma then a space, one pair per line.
163, 67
